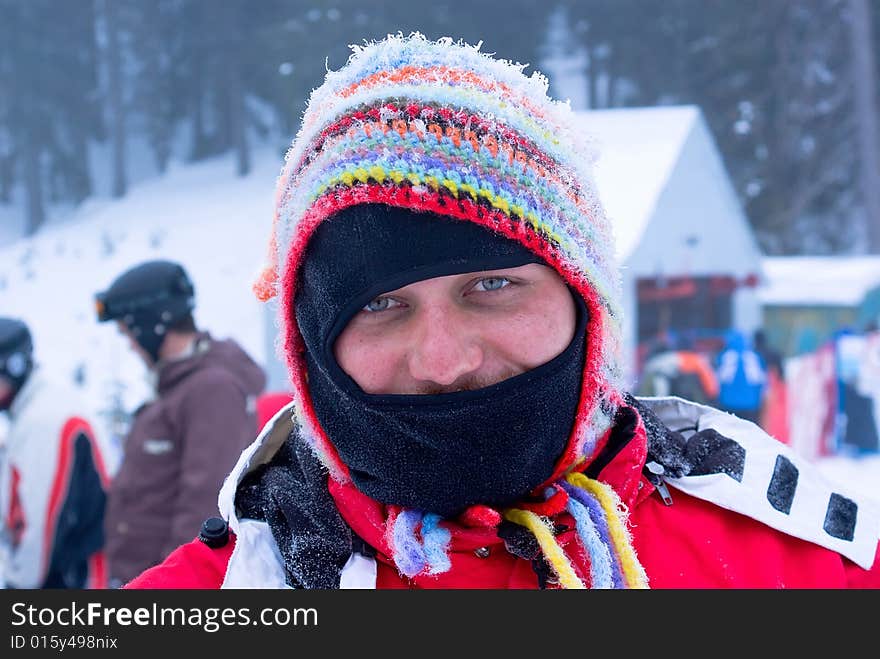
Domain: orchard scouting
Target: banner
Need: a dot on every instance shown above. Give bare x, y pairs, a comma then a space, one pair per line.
811, 384
834, 397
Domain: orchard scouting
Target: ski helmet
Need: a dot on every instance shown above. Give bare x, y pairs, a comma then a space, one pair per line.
16, 355
148, 299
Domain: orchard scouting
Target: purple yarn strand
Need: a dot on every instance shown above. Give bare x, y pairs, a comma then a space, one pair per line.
594, 508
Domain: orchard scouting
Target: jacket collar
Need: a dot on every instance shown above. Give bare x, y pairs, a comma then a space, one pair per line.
171, 371
261, 450
618, 465
733, 463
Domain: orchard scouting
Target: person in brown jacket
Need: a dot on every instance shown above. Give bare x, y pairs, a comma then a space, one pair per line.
182, 444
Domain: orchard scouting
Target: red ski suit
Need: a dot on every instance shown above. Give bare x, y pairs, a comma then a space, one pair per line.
688, 544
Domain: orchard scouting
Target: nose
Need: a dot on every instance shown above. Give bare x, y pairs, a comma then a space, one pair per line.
443, 348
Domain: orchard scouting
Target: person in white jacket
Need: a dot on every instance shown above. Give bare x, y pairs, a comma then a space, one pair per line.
52, 478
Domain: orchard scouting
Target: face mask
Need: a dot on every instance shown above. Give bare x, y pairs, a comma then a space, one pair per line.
442, 453
437, 453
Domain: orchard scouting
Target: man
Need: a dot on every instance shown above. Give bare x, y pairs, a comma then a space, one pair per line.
183, 443
52, 478
771, 357
451, 319
742, 377
675, 368
773, 416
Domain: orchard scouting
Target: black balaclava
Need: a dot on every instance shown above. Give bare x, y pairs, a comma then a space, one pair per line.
148, 299
436, 453
16, 356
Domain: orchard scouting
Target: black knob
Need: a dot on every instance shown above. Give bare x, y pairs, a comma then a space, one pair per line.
215, 532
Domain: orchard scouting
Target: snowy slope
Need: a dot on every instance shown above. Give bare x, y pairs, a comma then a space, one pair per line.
201, 215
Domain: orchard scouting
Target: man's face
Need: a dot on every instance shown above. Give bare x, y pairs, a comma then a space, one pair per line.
459, 332
133, 344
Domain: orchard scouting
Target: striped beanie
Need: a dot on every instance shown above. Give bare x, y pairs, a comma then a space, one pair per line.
439, 126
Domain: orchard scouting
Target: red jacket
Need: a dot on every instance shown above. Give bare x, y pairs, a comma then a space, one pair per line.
689, 544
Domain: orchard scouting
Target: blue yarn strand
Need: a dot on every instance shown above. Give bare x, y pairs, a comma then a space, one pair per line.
600, 555
409, 555
436, 541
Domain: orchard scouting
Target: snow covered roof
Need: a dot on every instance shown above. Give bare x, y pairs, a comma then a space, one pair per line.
638, 148
818, 280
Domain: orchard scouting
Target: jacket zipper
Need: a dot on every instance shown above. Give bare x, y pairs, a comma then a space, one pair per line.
654, 474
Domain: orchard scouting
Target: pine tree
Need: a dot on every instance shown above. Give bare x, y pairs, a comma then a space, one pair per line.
773, 82
110, 29
865, 86
156, 43
49, 111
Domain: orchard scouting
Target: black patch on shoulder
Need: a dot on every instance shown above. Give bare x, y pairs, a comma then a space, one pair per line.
840, 518
712, 453
783, 485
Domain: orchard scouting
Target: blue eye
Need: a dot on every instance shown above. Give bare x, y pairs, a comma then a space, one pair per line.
492, 283
378, 304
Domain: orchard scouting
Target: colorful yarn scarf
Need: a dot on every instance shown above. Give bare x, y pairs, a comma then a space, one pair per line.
420, 544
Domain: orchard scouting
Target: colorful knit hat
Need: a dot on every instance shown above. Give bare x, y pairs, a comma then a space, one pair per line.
439, 126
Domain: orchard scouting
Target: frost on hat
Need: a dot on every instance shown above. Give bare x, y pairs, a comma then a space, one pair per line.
440, 126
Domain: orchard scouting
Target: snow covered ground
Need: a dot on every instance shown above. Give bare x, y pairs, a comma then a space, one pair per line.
214, 223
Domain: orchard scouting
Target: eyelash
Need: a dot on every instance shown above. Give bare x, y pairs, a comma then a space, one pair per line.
477, 283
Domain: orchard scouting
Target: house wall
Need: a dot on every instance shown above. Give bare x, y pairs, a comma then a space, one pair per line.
697, 228
630, 323
795, 330
748, 314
